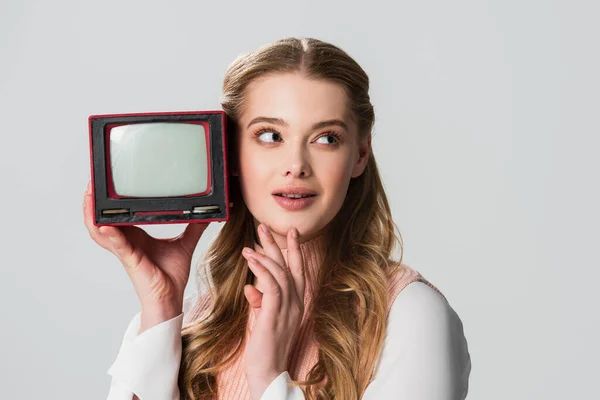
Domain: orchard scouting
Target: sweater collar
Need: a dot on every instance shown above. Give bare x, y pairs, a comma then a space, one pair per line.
313, 252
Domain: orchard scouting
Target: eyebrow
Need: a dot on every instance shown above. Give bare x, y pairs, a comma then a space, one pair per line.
318, 125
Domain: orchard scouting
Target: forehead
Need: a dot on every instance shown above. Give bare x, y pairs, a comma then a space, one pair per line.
295, 99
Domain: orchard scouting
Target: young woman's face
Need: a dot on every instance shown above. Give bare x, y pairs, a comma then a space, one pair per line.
297, 135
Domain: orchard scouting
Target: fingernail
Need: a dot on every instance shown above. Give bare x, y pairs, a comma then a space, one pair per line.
247, 250
295, 233
264, 229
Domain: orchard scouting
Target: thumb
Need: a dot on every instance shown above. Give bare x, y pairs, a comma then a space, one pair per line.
190, 237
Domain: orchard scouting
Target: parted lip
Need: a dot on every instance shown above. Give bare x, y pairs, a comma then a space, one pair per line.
294, 190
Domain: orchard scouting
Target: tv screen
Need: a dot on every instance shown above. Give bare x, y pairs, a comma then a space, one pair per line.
159, 159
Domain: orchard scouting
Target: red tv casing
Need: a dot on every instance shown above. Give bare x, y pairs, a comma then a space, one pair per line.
112, 209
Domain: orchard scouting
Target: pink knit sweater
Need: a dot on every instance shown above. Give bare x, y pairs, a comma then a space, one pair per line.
232, 383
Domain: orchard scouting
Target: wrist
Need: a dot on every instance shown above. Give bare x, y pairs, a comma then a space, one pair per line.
258, 384
155, 314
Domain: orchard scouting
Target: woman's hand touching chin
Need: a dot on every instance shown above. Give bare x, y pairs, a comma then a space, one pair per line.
278, 309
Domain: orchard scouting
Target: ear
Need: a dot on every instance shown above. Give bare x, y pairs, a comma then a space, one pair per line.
364, 151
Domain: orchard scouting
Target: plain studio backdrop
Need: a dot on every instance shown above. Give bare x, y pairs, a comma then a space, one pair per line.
487, 136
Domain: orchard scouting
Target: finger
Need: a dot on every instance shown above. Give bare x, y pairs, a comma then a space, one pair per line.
118, 241
88, 220
121, 246
253, 295
282, 275
272, 292
87, 203
296, 263
269, 245
85, 198
190, 237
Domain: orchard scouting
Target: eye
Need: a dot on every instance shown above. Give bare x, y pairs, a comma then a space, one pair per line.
268, 136
330, 138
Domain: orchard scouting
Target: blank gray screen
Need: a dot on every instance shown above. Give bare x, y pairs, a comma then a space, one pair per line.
158, 159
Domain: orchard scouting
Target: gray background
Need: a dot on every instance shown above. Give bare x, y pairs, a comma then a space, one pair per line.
486, 133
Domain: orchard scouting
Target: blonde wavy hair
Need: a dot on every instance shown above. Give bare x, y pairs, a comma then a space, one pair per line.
350, 307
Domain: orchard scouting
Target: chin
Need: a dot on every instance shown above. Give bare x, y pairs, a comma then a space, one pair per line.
306, 228
308, 223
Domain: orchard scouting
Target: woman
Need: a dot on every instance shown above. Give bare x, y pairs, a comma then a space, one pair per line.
304, 299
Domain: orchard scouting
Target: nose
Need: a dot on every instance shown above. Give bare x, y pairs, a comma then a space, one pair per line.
296, 162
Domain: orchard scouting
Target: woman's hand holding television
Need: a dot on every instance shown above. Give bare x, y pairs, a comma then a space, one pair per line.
279, 309
158, 268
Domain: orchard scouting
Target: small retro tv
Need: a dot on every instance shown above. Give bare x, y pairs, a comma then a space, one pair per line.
158, 168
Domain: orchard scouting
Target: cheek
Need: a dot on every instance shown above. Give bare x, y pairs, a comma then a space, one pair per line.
254, 173
335, 175
252, 167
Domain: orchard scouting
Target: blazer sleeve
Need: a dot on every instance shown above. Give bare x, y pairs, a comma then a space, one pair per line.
147, 364
281, 389
425, 354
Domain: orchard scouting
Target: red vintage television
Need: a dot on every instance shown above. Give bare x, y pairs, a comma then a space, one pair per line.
157, 168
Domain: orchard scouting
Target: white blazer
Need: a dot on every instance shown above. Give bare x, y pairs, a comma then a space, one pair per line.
424, 357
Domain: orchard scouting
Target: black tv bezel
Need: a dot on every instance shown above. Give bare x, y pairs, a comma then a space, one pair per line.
218, 195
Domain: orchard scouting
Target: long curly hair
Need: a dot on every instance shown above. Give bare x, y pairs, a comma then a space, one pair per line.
350, 307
